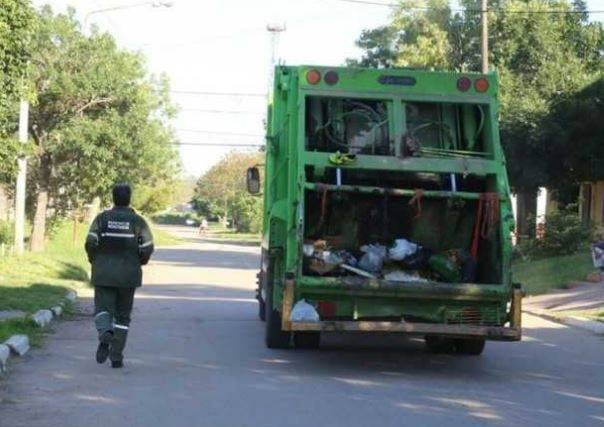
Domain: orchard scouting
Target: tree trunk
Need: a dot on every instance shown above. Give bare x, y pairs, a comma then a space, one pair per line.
527, 213
4, 203
39, 227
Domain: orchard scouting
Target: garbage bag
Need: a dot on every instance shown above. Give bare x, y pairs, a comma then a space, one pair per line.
304, 312
402, 249
417, 260
373, 259
445, 268
347, 257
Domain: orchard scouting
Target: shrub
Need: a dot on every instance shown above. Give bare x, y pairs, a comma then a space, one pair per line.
7, 231
176, 218
563, 234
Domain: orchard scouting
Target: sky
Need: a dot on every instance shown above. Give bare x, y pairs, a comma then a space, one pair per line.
223, 46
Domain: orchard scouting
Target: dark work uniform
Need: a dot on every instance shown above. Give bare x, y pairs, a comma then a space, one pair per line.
118, 244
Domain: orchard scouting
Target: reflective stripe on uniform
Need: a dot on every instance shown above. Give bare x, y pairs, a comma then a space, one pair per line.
101, 312
120, 326
144, 245
124, 236
96, 236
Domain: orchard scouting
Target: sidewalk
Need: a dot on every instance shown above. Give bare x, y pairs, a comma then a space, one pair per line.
576, 306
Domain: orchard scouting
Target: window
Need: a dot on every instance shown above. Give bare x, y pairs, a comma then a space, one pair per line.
348, 125
442, 126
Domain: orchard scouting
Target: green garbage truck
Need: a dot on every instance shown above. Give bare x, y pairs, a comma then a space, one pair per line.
386, 209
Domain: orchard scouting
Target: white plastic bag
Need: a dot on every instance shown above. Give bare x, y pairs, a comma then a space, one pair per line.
373, 260
402, 249
401, 276
304, 312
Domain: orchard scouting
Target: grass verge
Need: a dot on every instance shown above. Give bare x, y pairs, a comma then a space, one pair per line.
542, 275
217, 231
163, 238
22, 326
37, 281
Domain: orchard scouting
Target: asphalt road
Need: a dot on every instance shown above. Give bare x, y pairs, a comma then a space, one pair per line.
196, 357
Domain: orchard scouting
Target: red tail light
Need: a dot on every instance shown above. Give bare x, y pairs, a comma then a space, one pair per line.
313, 77
481, 84
463, 84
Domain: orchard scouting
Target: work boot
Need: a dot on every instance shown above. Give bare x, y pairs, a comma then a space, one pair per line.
117, 346
102, 351
116, 364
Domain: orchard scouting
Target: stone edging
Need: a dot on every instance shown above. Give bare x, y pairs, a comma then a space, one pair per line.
578, 322
18, 345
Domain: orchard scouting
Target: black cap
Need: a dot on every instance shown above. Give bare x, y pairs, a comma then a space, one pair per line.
121, 195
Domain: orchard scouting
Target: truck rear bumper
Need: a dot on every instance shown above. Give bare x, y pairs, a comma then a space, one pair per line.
498, 333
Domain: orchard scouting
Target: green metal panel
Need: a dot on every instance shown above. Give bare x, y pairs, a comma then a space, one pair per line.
286, 159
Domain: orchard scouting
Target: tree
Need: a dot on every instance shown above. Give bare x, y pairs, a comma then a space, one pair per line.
97, 119
17, 24
541, 58
223, 188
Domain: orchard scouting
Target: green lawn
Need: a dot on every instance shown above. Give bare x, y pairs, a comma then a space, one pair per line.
35, 281
217, 231
162, 238
542, 275
23, 326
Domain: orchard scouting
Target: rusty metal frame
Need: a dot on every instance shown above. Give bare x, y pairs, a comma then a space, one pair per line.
496, 333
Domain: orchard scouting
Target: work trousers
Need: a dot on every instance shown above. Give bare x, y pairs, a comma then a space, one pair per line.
113, 307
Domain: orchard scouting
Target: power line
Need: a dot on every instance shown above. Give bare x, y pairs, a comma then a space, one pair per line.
549, 11
209, 132
209, 93
209, 144
222, 111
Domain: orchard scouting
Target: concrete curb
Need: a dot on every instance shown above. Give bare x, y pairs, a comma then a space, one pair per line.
4, 355
578, 322
42, 317
19, 344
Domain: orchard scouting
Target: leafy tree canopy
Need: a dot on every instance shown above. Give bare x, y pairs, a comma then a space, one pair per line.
541, 59
223, 188
97, 119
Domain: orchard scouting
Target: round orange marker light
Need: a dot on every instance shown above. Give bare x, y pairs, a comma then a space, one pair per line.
481, 84
313, 77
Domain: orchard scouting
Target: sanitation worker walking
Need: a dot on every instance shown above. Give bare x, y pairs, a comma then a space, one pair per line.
118, 244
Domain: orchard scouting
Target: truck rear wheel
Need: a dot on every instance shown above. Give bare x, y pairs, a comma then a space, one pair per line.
308, 340
274, 336
439, 345
470, 346
261, 309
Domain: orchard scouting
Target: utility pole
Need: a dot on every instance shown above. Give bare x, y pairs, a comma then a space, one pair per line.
21, 181
275, 30
484, 35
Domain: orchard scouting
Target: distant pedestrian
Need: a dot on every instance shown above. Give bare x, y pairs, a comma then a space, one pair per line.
118, 244
203, 227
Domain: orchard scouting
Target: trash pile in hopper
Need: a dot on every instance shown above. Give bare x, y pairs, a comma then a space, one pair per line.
403, 261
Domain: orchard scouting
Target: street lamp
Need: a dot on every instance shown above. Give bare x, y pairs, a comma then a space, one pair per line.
156, 4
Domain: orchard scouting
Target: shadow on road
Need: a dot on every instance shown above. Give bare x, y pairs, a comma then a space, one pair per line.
212, 258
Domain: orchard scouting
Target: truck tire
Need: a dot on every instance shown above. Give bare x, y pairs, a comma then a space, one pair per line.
274, 337
261, 309
309, 340
470, 346
439, 345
